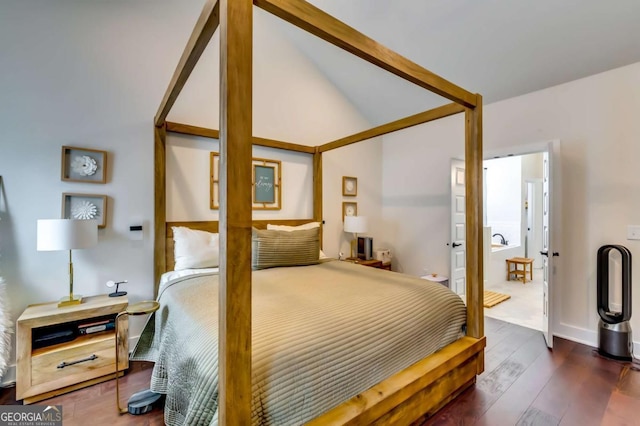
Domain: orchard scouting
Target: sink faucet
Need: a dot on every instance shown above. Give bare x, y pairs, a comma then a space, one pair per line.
502, 240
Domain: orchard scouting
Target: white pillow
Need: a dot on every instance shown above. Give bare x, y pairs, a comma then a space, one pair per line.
310, 225
195, 249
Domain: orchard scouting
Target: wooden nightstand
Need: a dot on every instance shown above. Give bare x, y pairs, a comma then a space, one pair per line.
51, 361
373, 263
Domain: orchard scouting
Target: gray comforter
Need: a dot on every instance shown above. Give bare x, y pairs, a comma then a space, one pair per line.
321, 334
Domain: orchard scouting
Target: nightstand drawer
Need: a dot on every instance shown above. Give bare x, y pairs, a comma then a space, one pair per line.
48, 366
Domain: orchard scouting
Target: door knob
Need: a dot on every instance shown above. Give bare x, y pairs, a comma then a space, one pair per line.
456, 244
544, 253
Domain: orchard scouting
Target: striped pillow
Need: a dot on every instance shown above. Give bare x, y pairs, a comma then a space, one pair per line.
270, 248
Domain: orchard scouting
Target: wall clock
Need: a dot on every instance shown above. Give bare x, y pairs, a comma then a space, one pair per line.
349, 209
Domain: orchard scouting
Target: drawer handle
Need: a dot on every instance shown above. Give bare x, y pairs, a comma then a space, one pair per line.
67, 364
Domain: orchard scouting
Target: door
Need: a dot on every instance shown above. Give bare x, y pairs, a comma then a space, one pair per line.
458, 270
534, 222
547, 254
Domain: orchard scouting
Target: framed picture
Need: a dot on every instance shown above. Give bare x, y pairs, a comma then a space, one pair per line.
85, 206
349, 208
267, 184
84, 165
349, 186
214, 184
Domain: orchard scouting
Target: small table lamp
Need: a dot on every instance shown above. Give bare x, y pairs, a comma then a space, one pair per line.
144, 400
67, 234
355, 224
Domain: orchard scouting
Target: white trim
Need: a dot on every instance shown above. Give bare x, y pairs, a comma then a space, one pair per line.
584, 336
532, 148
576, 334
552, 146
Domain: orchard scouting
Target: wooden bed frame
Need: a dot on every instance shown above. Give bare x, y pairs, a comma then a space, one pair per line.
408, 396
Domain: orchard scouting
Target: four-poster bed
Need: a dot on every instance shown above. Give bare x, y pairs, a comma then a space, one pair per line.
404, 397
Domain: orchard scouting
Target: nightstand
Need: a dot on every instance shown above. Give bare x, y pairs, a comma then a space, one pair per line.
372, 262
59, 350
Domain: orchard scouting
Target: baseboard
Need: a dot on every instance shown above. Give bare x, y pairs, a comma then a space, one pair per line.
584, 336
9, 378
576, 334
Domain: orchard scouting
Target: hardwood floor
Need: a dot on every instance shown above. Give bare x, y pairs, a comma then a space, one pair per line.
526, 384
523, 384
96, 405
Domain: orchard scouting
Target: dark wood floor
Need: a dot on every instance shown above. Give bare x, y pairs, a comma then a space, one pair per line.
526, 384
523, 384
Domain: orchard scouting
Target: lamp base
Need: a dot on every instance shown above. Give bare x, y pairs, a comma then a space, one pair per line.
75, 299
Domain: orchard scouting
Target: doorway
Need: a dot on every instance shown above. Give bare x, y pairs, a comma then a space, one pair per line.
514, 227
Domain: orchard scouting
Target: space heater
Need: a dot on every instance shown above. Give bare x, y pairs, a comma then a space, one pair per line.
614, 331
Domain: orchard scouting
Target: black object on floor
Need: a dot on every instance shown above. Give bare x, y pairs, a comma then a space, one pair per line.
143, 402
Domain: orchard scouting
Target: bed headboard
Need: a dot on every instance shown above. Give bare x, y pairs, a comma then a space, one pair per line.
212, 226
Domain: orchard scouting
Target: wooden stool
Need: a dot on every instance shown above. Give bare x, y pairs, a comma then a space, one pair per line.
524, 261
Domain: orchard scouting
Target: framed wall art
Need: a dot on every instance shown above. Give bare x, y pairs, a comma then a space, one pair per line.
349, 186
349, 208
84, 165
267, 184
214, 183
85, 207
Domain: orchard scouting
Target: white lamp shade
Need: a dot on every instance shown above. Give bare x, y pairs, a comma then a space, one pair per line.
66, 234
355, 224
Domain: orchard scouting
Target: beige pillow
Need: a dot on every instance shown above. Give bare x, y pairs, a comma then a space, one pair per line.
195, 249
310, 225
270, 248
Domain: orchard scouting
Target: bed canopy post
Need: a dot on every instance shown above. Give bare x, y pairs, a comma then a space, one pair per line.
234, 349
160, 202
473, 199
317, 188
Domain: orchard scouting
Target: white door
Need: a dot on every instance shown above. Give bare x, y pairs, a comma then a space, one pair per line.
547, 254
458, 271
534, 222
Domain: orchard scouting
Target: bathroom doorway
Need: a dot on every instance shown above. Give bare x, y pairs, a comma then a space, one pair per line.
513, 222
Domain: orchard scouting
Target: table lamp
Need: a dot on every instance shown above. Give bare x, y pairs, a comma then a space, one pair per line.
67, 234
355, 225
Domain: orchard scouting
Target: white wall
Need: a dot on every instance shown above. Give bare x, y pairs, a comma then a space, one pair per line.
595, 119
293, 102
504, 207
92, 74
416, 200
87, 74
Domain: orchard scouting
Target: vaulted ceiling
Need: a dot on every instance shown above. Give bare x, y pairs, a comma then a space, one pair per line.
499, 48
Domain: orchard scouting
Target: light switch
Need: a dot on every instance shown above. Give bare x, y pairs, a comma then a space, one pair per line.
633, 232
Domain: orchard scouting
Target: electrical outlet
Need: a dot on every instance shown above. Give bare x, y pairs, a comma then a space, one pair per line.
633, 232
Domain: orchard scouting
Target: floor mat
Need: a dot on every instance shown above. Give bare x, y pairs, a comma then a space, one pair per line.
492, 298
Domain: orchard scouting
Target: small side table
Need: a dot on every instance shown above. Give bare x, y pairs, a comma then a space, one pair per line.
140, 308
516, 261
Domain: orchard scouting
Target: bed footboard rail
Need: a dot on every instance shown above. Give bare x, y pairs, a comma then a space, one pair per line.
416, 392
